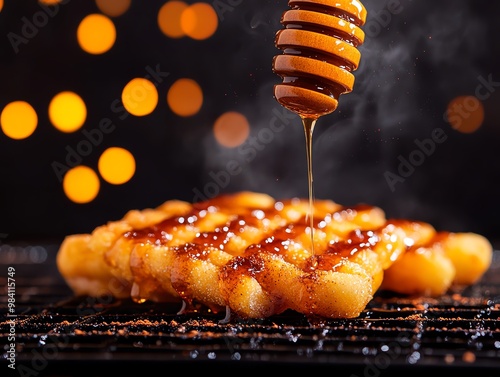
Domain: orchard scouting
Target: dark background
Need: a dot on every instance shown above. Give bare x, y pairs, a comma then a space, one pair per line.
413, 64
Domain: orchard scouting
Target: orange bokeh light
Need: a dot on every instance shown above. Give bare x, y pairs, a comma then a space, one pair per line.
67, 111
185, 97
81, 184
113, 8
231, 129
116, 165
18, 120
465, 114
1, 5
49, 2
96, 34
169, 18
199, 21
140, 97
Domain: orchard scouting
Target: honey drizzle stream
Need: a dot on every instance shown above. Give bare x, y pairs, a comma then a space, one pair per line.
309, 124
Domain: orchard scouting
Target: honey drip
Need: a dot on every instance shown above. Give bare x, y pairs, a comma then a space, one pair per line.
309, 124
319, 43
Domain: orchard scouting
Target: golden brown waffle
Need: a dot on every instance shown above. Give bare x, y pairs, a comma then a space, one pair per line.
250, 253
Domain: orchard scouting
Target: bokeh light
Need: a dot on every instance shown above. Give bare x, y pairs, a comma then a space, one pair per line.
1, 5
49, 2
116, 165
81, 184
140, 97
18, 120
169, 18
113, 8
67, 112
96, 34
231, 129
199, 21
185, 97
465, 114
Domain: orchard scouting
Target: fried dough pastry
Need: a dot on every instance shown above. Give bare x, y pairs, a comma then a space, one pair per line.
251, 255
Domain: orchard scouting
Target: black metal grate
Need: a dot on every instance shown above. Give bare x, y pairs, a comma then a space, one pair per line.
59, 334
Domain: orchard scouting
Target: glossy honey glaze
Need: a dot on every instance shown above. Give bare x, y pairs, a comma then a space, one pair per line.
279, 229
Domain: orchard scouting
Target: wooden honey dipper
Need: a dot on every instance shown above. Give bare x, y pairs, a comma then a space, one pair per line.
319, 44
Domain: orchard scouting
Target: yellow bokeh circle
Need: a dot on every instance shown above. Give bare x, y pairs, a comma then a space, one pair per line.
67, 112
140, 97
96, 34
81, 184
18, 120
113, 8
465, 114
169, 18
199, 21
116, 165
231, 129
185, 97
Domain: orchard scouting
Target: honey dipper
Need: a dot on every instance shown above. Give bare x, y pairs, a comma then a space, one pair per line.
319, 44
